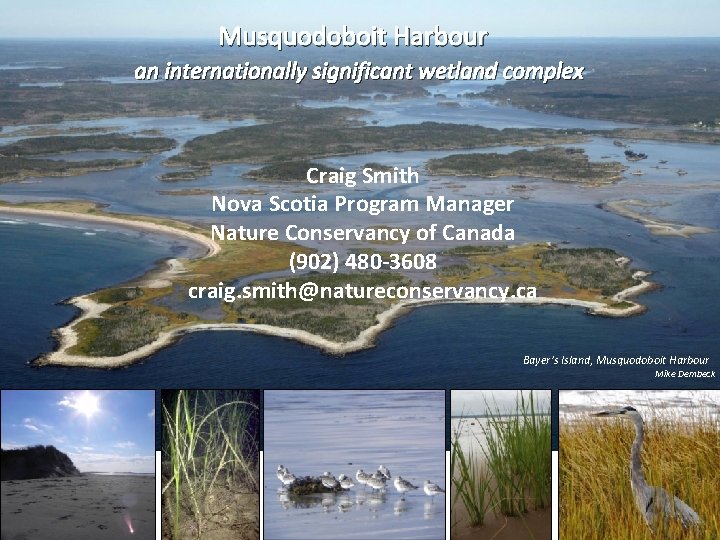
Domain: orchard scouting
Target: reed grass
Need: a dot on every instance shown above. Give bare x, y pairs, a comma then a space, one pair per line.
681, 455
518, 456
471, 481
208, 437
513, 473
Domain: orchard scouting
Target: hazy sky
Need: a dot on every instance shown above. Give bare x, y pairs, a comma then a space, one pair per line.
201, 19
683, 402
105, 431
469, 402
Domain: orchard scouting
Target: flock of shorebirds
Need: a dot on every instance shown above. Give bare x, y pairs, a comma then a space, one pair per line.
376, 481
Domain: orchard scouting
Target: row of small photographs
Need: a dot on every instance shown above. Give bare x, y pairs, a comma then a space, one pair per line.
359, 464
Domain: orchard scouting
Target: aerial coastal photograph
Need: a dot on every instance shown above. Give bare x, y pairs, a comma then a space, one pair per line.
358, 464
562, 216
639, 464
78, 464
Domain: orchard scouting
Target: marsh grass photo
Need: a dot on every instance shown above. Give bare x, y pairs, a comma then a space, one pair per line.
501, 470
210, 466
680, 454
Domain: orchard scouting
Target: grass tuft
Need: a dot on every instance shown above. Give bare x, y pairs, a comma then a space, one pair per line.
208, 437
513, 474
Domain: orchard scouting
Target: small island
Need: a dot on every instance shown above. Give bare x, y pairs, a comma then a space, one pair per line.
554, 163
288, 171
28, 157
185, 175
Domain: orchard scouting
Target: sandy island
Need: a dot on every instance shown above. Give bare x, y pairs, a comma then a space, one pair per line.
67, 336
86, 507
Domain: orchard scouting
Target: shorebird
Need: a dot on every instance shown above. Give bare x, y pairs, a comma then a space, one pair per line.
288, 479
382, 469
328, 480
362, 477
345, 482
432, 489
403, 486
281, 470
376, 481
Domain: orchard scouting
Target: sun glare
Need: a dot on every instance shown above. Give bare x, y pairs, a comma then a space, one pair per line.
87, 404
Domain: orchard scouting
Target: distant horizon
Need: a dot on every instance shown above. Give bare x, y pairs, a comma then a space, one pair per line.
133, 18
495, 415
213, 40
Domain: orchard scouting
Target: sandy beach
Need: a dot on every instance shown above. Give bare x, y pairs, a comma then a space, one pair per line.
536, 524
83, 507
213, 248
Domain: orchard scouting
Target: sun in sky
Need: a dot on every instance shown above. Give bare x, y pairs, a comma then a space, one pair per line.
111, 431
85, 403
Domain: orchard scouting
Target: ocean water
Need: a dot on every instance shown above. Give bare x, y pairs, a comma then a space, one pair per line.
314, 431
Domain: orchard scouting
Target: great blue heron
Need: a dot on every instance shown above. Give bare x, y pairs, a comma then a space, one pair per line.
653, 502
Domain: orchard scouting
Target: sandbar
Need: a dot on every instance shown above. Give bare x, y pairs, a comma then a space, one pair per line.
654, 225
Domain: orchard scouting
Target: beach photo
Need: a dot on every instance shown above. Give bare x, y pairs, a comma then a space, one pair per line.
210, 464
639, 464
500, 464
78, 464
355, 464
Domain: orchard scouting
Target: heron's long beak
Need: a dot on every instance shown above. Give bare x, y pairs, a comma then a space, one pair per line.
609, 413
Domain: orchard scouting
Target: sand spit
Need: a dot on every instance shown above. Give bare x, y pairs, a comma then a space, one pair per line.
213, 248
87, 507
655, 226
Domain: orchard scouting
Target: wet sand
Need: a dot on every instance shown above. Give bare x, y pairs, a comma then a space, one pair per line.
536, 525
83, 507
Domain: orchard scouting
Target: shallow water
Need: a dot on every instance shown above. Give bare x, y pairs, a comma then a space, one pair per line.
465, 111
341, 432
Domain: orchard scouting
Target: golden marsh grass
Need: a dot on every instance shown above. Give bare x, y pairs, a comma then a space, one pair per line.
680, 454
